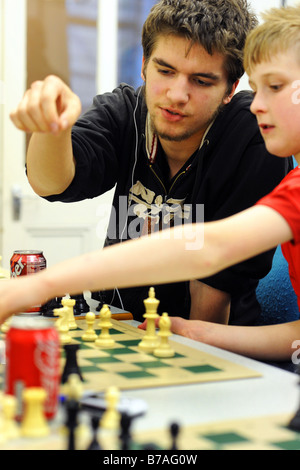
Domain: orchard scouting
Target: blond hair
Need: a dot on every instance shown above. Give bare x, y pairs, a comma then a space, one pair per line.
279, 32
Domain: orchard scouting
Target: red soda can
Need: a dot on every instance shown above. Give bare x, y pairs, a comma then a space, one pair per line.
32, 351
27, 262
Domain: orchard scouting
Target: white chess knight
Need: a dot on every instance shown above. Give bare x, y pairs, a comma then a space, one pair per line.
69, 304
62, 324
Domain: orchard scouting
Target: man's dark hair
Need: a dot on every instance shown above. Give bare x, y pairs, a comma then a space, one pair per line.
217, 25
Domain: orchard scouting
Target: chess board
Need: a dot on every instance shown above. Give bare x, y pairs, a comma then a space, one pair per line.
126, 367
260, 433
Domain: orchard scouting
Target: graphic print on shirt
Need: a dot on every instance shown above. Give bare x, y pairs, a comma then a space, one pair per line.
153, 212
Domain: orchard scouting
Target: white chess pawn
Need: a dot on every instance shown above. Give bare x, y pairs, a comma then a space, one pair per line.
34, 422
90, 334
104, 340
9, 407
164, 349
111, 416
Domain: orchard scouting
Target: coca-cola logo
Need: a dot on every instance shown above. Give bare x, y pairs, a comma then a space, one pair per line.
46, 356
46, 359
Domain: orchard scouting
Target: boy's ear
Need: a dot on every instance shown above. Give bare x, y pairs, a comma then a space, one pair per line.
228, 98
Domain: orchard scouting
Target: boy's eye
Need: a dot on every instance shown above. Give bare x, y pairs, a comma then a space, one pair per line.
276, 87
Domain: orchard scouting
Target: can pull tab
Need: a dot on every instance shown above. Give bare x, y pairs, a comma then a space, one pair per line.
16, 192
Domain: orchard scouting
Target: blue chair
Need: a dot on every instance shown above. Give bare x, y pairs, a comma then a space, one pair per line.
276, 295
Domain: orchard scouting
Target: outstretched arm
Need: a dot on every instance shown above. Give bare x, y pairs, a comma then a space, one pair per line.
269, 342
177, 255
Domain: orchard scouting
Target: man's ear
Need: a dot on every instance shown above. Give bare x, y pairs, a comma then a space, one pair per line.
143, 69
228, 98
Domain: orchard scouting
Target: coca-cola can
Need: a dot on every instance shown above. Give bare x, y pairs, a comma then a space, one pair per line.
32, 351
27, 262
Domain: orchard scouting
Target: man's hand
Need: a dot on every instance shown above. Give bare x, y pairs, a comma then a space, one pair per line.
48, 106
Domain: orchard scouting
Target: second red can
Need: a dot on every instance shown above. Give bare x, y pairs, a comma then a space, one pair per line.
27, 262
33, 360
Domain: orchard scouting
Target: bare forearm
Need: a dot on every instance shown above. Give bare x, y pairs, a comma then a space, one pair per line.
50, 162
270, 343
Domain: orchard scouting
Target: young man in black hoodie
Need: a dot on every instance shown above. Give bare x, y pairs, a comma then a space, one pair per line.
183, 148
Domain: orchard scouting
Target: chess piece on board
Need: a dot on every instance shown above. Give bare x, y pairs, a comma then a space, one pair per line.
34, 423
81, 305
150, 340
71, 364
10, 428
111, 416
99, 297
95, 444
105, 340
6, 325
62, 324
74, 393
164, 349
69, 304
47, 310
90, 334
125, 434
174, 432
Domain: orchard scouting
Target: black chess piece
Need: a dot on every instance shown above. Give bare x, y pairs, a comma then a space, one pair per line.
48, 307
99, 297
95, 445
71, 364
125, 434
174, 431
81, 306
72, 410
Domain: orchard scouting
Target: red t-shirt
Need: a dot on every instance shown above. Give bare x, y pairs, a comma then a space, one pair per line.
285, 199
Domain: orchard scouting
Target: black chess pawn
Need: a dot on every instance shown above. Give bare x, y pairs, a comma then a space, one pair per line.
81, 305
174, 431
71, 364
72, 410
99, 297
94, 445
125, 434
